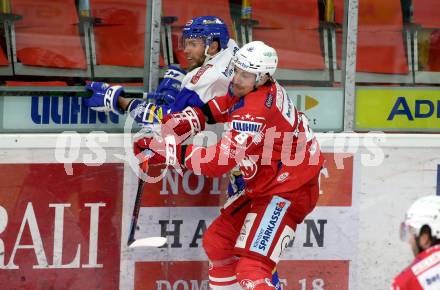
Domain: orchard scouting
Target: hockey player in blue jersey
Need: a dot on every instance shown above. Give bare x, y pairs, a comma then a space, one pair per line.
208, 50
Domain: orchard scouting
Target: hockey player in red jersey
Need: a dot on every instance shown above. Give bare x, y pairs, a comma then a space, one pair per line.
277, 153
421, 229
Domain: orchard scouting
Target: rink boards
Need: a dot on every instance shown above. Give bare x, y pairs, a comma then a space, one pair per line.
65, 231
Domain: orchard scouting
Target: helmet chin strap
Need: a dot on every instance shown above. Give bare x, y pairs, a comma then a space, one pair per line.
258, 77
208, 57
259, 80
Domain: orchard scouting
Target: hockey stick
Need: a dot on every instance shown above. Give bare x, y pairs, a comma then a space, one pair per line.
77, 91
145, 242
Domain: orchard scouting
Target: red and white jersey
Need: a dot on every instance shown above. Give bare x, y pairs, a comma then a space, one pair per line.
267, 137
422, 274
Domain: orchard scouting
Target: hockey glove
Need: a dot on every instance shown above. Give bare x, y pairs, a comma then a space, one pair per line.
145, 113
160, 150
236, 182
169, 87
104, 98
155, 98
183, 125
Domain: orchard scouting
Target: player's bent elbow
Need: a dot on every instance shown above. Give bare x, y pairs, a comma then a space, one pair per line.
207, 161
209, 170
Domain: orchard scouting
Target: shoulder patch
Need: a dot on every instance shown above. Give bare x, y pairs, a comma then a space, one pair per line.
280, 98
199, 73
269, 100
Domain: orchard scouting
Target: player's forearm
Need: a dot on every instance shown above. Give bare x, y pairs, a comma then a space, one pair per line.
123, 103
209, 161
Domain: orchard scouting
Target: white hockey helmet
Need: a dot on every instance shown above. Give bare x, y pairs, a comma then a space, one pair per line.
423, 212
258, 58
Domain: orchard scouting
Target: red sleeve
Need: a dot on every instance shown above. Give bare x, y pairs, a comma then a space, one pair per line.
219, 107
405, 280
211, 161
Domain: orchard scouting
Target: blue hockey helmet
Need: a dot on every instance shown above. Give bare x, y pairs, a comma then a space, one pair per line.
208, 28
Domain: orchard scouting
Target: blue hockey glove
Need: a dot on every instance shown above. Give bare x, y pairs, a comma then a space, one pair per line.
170, 86
236, 183
104, 98
160, 99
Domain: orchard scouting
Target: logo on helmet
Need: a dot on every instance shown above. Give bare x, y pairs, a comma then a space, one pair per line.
212, 21
251, 49
269, 53
241, 64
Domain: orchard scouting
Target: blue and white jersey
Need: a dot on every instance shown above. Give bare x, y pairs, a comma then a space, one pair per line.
198, 87
208, 81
